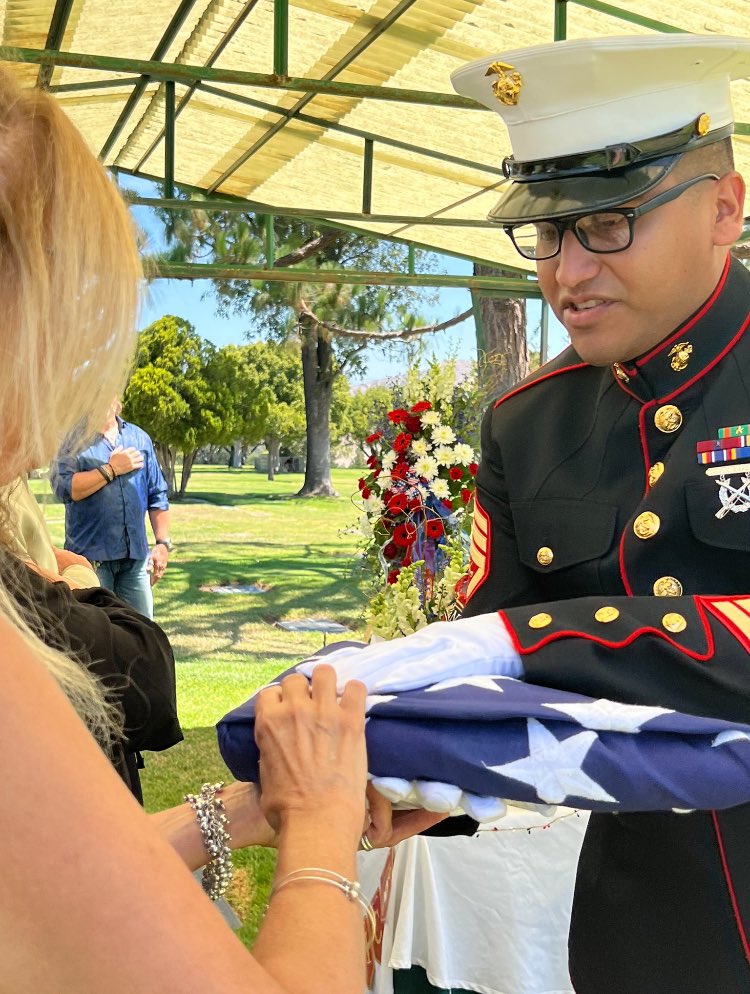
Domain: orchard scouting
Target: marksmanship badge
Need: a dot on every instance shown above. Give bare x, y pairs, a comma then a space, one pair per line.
734, 495
507, 86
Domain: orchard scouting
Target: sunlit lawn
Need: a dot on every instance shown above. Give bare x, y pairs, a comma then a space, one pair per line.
236, 526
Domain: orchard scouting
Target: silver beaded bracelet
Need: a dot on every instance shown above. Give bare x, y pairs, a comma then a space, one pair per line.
212, 822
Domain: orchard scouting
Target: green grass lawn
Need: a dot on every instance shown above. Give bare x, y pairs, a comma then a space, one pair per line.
236, 526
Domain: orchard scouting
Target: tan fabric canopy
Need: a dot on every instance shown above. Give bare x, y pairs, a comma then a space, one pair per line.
450, 167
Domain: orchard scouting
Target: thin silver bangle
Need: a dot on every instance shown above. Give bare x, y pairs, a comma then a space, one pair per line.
349, 888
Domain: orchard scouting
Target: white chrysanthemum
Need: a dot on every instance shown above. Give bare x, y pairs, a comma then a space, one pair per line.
443, 435
430, 418
427, 467
389, 461
384, 481
463, 454
374, 505
420, 447
441, 489
444, 455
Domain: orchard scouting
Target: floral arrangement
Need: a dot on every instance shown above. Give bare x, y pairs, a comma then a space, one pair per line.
416, 503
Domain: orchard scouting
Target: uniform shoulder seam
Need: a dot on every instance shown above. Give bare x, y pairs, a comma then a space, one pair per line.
540, 377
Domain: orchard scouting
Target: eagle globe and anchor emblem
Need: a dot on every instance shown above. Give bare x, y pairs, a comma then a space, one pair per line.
507, 86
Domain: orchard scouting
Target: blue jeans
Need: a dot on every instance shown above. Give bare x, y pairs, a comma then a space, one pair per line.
128, 579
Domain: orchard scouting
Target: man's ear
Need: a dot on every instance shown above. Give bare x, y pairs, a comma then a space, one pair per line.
729, 203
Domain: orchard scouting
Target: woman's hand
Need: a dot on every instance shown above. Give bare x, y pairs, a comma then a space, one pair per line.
313, 756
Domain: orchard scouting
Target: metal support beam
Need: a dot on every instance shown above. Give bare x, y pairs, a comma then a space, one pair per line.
627, 15
380, 28
367, 177
220, 47
270, 240
160, 51
410, 260
169, 138
281, 37
513, 287
242, 206
55, 35
544, 334
561, 20
344, 129
180, 73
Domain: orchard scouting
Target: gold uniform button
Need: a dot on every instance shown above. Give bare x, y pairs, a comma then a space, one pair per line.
674, 622
647, 524
668, 586
545, 556
655, 472
540, 620
607, 614
668, 418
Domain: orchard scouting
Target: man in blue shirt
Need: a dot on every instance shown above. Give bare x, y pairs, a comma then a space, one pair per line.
107, 489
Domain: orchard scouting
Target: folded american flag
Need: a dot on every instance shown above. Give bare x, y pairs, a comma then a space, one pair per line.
500, 737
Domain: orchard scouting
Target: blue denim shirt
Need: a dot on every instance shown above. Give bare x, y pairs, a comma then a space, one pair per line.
110, 524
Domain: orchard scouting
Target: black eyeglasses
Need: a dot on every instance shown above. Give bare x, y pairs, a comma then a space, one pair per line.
598, 231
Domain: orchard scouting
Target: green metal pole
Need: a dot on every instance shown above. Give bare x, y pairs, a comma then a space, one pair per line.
169, 138
481, 335
544, 334
187, 74
561, 20
270, 240
367, 176
281, 38
410, 260
626, 15
511, 286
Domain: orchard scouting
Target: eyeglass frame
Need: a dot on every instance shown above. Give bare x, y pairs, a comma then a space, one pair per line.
631, 214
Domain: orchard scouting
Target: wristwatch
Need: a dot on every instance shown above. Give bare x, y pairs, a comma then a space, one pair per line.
165, 541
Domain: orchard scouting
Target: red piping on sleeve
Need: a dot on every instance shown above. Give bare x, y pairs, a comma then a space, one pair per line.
610, 644
730, 886
540, 379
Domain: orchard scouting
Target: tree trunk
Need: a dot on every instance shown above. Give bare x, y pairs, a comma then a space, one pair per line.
273, 444
188, 458
167, 458
318, 376
501, 337
235, 455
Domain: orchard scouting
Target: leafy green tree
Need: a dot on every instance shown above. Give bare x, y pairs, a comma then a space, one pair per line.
184, 392
333, 324
367, 408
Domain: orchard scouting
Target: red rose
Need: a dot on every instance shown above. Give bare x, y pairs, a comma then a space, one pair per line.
404, 534
393, 575
434, 528
397, 504
361, 483
390, 550
366, 493
402, 442
375, 437
455, 473
398, 415
466, 495
473, 467
448, 503
413, 425
423, 405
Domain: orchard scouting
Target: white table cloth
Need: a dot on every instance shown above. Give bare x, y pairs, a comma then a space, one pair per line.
487, 914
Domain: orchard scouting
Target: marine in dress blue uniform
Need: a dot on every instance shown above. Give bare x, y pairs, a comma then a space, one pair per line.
612, 526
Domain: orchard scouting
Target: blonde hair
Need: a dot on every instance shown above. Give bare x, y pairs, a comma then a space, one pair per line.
70, 273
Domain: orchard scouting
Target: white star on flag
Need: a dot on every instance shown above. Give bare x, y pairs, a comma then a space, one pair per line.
610, 716
733, 736
482, 682
553, 768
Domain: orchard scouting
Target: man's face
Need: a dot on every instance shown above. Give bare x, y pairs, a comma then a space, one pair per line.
618, 306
